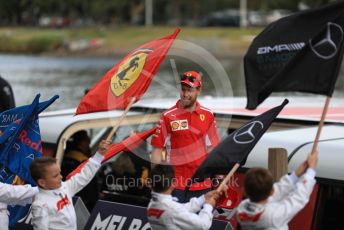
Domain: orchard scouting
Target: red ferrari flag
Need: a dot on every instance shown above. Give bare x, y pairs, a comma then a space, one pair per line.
128, 144
128, 78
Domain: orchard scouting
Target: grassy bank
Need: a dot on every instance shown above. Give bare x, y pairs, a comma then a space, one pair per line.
221, 41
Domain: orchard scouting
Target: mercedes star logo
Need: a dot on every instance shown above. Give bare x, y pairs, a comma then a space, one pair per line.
326, 45
247, 133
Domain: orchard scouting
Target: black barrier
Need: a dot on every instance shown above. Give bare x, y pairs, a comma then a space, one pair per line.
110, 215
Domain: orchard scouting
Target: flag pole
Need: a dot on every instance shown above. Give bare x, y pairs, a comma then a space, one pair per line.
229, 175
321, 124
114, 129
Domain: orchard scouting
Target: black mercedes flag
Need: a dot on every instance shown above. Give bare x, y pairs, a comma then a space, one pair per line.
236, 146
302, 52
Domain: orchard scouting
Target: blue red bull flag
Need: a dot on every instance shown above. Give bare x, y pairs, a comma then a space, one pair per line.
20, 143
302, 52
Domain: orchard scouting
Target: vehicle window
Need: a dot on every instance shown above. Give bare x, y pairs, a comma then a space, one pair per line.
123, 178
332, 207
222, 131
124, 131
48, 149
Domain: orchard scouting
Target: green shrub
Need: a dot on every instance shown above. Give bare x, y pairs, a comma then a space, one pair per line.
32, 45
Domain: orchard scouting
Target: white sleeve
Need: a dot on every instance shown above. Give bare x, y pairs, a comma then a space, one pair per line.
22, 202
40, 218
12, 193
80, 180
293, 203
188, 220
195, 204
282, 188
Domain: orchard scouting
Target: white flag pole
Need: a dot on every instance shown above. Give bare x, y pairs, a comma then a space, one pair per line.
114, 129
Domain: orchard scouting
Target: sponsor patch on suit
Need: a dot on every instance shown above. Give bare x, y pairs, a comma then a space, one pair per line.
179, 125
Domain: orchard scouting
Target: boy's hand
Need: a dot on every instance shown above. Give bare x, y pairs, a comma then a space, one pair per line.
312, 160
211, 197
133, 132
104, 146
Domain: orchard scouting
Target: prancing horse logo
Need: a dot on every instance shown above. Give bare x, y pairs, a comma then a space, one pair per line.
247, 133
128, 72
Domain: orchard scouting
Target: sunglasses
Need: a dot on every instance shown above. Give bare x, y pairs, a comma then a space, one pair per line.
190, 78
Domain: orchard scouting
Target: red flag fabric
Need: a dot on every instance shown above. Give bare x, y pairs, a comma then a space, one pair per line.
77, 170
128, 78
128, 144
230, 201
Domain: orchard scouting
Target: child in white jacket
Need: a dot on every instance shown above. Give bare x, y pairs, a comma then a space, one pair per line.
53, 207
272, 206
164, 212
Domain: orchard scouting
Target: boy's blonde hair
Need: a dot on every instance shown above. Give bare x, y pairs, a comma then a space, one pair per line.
38, 167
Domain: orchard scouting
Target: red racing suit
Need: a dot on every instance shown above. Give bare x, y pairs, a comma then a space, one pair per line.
186, 137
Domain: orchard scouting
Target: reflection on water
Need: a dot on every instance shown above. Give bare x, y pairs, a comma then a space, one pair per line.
67, 77
70, 76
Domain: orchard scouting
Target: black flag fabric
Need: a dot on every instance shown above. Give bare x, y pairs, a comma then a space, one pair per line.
236, 146
302, 52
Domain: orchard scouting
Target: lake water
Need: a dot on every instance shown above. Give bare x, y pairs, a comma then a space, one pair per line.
70, 76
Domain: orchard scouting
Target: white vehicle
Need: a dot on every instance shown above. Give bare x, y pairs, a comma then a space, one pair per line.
294, 130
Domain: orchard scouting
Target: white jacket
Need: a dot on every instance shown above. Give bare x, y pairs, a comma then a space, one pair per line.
290, 196
165, 213
13, 194
53, 209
